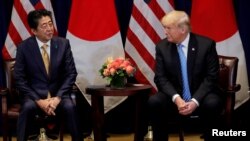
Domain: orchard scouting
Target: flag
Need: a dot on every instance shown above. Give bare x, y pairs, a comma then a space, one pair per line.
144, 32
94, 35
18, 27
216, 19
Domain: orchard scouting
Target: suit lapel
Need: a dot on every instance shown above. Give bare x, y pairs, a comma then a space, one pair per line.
53, 55
35, 51
176, 62
192, 49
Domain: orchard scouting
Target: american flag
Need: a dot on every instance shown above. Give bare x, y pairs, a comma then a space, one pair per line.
144, 31
18, 28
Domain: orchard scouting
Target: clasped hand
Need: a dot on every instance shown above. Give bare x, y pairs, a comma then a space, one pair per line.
49, 105
185, 108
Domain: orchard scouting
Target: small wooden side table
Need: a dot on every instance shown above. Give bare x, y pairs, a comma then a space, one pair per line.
139, 91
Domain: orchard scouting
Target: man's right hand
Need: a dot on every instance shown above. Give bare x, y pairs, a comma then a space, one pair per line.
43, 104
180, 103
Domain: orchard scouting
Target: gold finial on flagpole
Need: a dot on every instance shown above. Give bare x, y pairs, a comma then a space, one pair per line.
91, 136
43, 136
149, 135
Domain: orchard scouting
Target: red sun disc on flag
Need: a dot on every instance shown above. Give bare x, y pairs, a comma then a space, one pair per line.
103, 21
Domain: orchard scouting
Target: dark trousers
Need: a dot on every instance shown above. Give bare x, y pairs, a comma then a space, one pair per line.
162, 110
65, 110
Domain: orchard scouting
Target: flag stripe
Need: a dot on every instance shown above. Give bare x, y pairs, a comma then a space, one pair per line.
6, 53
148, 58
144, 23
144, 73
14, 35
19, 11
39, 6
138, 31
148, 20
20, 26
157, 9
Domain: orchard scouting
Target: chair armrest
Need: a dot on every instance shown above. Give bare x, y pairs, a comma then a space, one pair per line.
3, 91
230, 97
230, 102
3, 95
75, 91
234, 89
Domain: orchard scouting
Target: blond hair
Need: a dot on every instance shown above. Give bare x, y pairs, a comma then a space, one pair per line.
178, 18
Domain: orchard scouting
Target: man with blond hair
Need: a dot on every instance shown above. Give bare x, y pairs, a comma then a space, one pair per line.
186, 75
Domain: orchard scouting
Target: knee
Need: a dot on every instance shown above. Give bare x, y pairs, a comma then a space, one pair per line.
154, 102
213, 105
68, 107
28, 106
28, 110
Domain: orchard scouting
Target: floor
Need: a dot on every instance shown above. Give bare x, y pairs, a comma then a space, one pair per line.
129, 137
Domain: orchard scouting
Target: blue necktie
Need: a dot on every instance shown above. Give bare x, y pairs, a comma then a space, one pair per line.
186, 92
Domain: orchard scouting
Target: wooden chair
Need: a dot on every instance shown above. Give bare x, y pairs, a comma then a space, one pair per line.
227, 82
10, 103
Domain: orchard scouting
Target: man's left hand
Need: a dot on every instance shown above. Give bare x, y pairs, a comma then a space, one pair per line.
53, 103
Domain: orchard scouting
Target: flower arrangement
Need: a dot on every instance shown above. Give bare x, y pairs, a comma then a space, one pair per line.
117, 70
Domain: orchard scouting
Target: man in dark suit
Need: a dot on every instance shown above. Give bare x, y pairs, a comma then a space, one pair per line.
202, 67
45, 84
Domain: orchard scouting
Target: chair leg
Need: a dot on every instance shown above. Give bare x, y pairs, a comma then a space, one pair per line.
181, 134
61, 133
5, 137
9, 137
61, 137
5, 131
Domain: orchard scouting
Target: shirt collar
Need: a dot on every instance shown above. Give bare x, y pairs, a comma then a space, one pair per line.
186, 40
40, 44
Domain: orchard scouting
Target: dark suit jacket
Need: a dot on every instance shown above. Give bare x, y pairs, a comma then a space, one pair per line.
202, 64
30, 74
